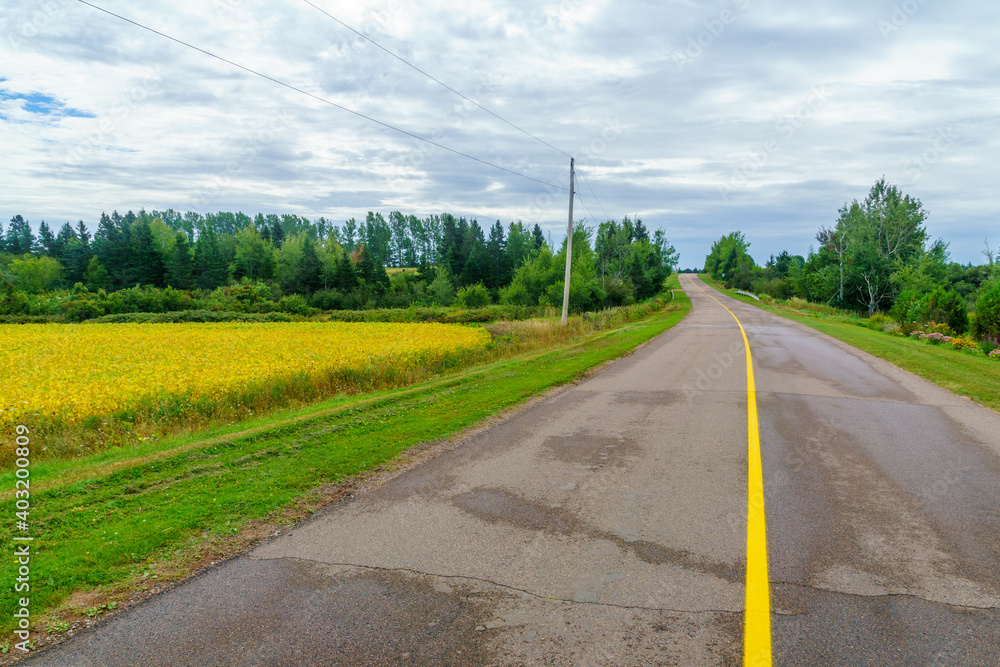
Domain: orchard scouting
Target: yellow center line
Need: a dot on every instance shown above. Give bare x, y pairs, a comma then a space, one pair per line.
757, 618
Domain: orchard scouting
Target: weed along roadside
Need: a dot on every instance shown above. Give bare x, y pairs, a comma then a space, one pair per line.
117, 526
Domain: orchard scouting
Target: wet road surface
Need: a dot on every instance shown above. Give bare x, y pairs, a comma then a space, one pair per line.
606, 525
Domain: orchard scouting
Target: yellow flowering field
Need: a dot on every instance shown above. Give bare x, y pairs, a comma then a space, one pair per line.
73, 371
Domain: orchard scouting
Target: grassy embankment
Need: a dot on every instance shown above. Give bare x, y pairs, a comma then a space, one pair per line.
125, 520
967, 373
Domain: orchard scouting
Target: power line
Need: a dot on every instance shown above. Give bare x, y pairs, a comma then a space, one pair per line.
606, 216
437, 81
592, 217
321, 99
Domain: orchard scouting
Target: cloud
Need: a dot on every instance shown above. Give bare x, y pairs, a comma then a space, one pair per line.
23, 107
98, 114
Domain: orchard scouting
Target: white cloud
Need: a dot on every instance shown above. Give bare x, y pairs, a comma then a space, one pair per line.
654, 135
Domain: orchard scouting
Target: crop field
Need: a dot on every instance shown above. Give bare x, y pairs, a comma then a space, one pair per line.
73, 373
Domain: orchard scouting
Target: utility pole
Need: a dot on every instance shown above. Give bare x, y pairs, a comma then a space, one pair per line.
569, 241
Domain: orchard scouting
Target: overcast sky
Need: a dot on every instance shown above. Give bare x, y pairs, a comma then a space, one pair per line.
764, 116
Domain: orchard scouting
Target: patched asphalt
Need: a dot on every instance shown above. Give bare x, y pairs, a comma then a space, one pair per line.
606, 525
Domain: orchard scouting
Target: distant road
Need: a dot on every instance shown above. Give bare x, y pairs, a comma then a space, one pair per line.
606, 525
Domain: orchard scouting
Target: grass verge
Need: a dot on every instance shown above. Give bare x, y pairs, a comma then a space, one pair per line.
109, 526
966, 373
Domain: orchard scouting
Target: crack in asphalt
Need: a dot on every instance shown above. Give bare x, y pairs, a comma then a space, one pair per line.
913, 596
378, 568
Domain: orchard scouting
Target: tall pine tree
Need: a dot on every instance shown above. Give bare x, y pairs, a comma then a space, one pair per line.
310, 269
498, 264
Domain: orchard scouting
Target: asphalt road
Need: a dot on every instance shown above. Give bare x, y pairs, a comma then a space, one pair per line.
606, 525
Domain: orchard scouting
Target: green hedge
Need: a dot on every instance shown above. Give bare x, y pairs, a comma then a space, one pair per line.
193, 316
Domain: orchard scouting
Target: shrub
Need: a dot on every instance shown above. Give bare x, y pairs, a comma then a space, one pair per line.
617, 293
995, 354
12, 300
948, 307
30, 319
245, 297
328, 299
473, 296
81, 309
944, 329
877, 322
779, 288
910, 307
987, 322
296, 305
186, 316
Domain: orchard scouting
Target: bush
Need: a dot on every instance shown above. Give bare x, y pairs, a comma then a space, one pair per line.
779, 288
473, 296
910, 307
245, 297
81, 309
296, 305
30, 319
618, 293
878, 322
987, 322
948, 307
197, 316
12, 300
328, 299
943, 329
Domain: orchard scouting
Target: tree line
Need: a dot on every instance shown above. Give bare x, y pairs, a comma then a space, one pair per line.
877, 257
330, 266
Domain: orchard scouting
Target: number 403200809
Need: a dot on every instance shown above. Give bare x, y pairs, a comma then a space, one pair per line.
22, 473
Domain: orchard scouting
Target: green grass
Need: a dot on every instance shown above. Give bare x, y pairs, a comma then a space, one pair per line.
966, 373
115, 521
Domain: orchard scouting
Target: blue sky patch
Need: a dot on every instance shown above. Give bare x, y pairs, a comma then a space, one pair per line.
44, 105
